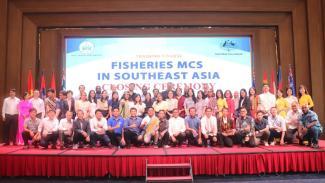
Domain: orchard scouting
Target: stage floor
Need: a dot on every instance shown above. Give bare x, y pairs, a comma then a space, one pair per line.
16, 161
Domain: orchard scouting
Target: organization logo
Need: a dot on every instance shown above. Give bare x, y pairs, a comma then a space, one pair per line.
86, 48
228, 45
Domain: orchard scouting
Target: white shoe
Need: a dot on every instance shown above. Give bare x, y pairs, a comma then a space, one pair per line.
266, 144
272, 143
75, 146
166, 146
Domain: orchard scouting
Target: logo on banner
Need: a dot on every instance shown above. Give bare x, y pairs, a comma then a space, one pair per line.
86, 48
228, 45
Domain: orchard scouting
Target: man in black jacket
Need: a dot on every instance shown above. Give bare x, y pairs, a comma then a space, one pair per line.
81, 128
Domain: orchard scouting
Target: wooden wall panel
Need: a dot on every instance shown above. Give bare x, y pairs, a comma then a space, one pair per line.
3, 53
317, 57
152, 6
13, 66
29, 51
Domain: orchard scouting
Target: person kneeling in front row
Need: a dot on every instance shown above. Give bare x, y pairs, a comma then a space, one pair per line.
193, 128
66, 131
262, 132
209, 128
226, 130
30, 129
115, 130
176, 128
162, 136
49, 130
98, 126
82, 131
244, 129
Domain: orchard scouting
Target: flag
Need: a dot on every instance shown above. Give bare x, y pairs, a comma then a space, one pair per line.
273, 86
43, 86
63, 87
265, 78
279, 77
30, 84
291, 82
53, 85
253, 81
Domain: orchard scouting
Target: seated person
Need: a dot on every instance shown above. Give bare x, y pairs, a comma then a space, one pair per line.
262, 132
162, 137
66, 130
81, 130
176, 128
149, 126
31, 129
310, 128
48, 128
209, 128
292, 120
115, 129
277, 127
226, 132
132, 128
193, 128
98, 127
245, 129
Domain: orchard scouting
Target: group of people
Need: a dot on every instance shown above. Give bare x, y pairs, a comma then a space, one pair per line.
167, 118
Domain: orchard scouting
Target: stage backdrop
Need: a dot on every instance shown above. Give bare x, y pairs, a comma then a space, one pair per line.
219, 62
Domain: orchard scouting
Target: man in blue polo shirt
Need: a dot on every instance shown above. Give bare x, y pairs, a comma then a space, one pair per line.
132, 129
115, 129
310, 128
193, 130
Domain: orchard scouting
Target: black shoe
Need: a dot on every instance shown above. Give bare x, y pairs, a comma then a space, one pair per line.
53, 147
315, 146
61, 147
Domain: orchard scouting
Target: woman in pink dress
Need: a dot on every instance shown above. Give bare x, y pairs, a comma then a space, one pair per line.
230, 103
23, 107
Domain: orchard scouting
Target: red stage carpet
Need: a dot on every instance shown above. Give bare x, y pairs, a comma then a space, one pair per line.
15, 161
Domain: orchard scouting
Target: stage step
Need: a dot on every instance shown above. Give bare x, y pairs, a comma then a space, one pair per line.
150, 178
176, 165
169, 178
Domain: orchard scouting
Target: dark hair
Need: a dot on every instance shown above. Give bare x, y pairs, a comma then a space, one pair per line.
70, 91
12, 90
115, 108
133, 108
150, 108
62, 92
25, 94
221, 93
32, 110
249, 91
202, 93
102, 98
193, 96
225, 109
244, 90
50, 90
115, 92
89, 97
208, 108
259, 111
191, 108
304, 87
226, 93
97, 110
135, 102
242, 108
175, 109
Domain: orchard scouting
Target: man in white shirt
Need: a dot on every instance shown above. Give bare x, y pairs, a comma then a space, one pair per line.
66, 130
176, 128
10, 117
209, 128
38, 104
292, 120
277, 127
49, 130
266, 100
98, 127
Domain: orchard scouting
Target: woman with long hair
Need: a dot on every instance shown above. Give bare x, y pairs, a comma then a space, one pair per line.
180, 105
304, 97
102, 104
125, 105
200, 104
254, 101
281, 104
290, 98
114, 102
221, 103
244, 101
139, 105
231, 104
171, 103
23, 108
93, 103
148, 101
189, 101
160, 104
84, 105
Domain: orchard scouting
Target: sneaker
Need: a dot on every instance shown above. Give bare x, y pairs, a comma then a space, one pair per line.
315, 146
53, 147
155, 146
266, 144
75, 146
272, 143
61, 147
166, 146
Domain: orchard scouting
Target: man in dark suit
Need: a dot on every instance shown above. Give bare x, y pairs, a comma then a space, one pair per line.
81, 128
226, 129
